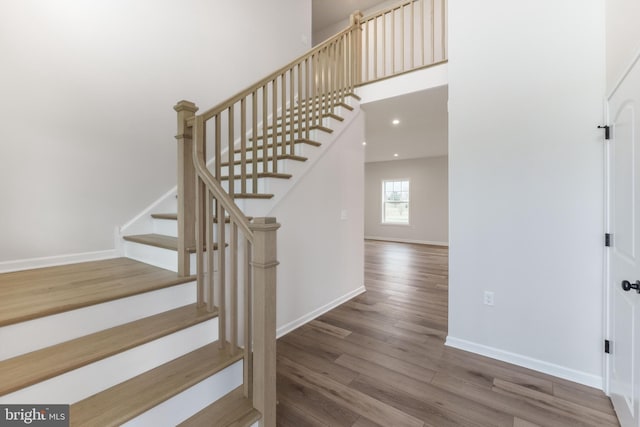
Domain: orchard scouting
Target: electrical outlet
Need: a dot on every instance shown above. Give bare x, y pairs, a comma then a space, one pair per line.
488, 298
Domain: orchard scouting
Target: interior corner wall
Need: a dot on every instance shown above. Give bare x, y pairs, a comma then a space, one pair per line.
526, 84
429, 202
87, 135
623, 38
321, 241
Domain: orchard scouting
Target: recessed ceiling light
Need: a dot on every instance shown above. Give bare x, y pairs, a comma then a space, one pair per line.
395, 155
396, 122
364, 142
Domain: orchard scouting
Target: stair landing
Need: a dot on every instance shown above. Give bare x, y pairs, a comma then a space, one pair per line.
29, 294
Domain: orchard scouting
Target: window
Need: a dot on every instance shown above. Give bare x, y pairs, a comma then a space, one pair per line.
395, 202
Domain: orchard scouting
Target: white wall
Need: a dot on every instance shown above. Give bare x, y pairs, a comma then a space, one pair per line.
623, 37
526, 83
429, 202
322, 34
320, 243
87, 88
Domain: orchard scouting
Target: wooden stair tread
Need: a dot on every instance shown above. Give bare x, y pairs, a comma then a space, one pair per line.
232, 410
287, 121
337, 104
40, 365
289, 131
252, 196
169, 216
126, 400
174, 216
249, 150
159, 241
260, 175
270, 158
29, 294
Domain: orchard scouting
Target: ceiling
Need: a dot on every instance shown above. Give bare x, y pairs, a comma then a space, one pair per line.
328, 12
422, 131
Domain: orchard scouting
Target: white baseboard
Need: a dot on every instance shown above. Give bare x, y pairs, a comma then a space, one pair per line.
527, 362
28, 264
286, 328
399, 240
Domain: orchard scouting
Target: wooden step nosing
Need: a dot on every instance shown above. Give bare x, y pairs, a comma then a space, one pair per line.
233, 408
269, 159
73, 349
94, 300
191, 369
261, 147
288, 132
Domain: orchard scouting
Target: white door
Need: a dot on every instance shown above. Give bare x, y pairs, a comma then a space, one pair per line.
623, 172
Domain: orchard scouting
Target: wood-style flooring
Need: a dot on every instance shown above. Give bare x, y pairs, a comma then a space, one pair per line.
380, 360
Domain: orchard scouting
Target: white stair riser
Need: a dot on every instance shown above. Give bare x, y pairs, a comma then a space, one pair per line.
166, 227
47, 331
185, 404
81, 383
159, 257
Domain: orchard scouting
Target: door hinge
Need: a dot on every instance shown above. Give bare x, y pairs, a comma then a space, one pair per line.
607, 346
607, 132
607, 239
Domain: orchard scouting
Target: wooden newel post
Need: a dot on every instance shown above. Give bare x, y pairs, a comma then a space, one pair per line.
264, 264
355, 20
186, 186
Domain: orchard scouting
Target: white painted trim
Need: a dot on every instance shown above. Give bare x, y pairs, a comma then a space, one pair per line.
147, 211
286, 328
414, 81
399, 240
527, 362
634, 61
28, 264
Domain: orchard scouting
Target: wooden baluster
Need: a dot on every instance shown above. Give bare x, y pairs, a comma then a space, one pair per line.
384, 44
274, 126
243, 145
375, 48
265, 132
209, 245
292, 138
231, 150
307, 99
393, 41
283, 107
186, 186
433, 31
422, 32
264, 321
217, 148
201, 198
411, 32
443, 30
222, 284
248, 323
254, 147
356, 54
233, 285
299, 92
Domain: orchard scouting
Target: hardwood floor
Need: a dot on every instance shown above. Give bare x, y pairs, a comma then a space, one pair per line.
380, 360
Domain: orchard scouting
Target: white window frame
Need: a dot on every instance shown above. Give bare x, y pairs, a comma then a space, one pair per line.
383, 220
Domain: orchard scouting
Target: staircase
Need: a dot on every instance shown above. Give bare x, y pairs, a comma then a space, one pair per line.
182, 330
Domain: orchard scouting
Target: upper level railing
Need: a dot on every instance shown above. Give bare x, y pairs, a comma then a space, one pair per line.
224, 151
407, 36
